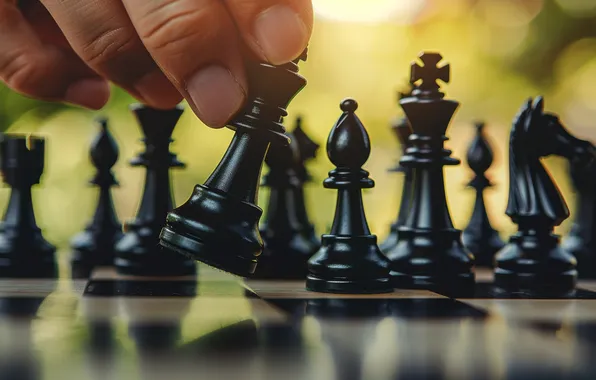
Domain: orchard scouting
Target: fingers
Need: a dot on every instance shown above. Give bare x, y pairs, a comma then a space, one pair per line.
44, 71
277, 30
101, 33
195, 43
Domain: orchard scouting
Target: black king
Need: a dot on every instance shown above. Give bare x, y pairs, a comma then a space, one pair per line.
429, 251
218, 225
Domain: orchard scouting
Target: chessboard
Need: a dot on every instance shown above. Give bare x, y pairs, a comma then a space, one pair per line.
219, 326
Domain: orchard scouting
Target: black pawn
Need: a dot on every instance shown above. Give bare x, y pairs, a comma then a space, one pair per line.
286, 230
96, 245
402, 131
218, 225
581, 240
533, 261
429, 253
479, 237
23, 250
349, 260
138, 252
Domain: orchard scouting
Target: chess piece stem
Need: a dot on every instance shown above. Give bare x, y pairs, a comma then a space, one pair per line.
402, 130
429, 253
138, 252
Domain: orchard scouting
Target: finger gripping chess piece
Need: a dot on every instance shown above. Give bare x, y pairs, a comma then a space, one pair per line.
533, 261
138, 252
429, 253
24, 252
349, 260
479, 237
96, 245
218, 225
286, 230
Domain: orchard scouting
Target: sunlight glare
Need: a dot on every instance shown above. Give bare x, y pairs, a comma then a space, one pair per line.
370, 11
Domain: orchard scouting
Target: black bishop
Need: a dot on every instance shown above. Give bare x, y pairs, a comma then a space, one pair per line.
95, 246
479, 237
218, 225
349, 260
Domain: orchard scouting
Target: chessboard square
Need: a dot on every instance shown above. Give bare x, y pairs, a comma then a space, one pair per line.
297, 290
29, 287
561, 310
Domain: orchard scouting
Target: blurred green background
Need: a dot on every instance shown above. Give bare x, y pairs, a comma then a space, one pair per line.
501, 52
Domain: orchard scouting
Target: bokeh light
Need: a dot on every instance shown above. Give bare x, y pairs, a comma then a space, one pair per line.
370, 11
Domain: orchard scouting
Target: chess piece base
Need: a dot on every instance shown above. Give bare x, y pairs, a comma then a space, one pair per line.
138, 254
584, 250
483, 248
535, 264
90, 250
391, 240
216, 229
380, 285
349, 264
287, 258
431, 259
34, 259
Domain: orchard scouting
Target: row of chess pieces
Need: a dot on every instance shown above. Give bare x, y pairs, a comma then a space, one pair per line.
220, 224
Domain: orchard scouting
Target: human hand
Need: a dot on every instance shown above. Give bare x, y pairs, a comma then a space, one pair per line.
158, 50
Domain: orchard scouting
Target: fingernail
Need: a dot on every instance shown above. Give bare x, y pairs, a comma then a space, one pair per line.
91, 93
216, 95
158, 91
281, 34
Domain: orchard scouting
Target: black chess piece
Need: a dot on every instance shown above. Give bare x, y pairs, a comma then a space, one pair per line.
581, 240
218, 225
24, 252
533, 261
402, 131
287, 232
307, 149
429, 253
96, 245
479, 237
138, 252
349, 260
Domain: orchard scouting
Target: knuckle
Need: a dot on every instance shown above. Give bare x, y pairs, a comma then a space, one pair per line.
108, 45
171, 31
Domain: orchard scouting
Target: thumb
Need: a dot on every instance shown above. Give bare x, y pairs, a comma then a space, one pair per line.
277, 30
